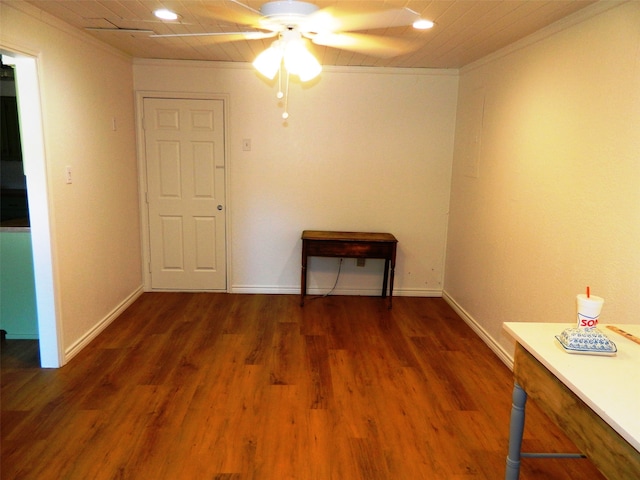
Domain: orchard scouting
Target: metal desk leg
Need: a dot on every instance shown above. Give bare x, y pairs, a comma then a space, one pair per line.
516, 429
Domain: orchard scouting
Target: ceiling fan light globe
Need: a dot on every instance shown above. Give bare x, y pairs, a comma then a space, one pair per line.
268, 62
309, 70
299, 61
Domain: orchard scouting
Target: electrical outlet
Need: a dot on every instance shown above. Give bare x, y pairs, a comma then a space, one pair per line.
246, 144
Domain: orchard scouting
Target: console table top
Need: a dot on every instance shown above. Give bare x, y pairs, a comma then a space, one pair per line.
348, 236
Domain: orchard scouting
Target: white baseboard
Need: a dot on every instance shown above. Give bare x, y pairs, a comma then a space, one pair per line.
370, 292
481, 332
77, 346
265, 289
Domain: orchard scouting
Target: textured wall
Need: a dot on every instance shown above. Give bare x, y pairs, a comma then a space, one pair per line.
95, 228
363, 149
546, 178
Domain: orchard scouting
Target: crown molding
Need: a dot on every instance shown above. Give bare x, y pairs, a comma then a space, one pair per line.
557, 27
48, 19
328, 69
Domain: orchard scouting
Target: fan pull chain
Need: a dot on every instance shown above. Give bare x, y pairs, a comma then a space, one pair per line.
285, 114
279, 95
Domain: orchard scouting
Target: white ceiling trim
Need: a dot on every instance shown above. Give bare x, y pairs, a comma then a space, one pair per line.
553, 29
453, 72
54, 22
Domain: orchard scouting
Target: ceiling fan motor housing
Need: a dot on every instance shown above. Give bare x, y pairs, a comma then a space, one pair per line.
287, 12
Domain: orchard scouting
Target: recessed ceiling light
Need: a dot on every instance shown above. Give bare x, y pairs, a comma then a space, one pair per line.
165, 14
423, 24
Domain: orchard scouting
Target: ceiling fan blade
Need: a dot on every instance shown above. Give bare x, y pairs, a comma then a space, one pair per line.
232, 11
120, 30
377, 46
221, 37
335, 19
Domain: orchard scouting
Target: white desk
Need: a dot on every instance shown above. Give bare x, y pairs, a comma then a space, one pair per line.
571, 388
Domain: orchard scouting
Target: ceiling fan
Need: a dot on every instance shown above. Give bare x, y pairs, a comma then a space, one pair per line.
331, 26
294, 23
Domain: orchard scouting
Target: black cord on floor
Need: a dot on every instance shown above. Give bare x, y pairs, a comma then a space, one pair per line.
334, 285
337, 277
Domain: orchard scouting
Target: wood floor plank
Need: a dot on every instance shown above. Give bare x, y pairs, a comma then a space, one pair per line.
318, 371
254, 387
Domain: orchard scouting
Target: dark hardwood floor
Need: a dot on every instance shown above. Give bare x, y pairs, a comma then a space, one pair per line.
222, 386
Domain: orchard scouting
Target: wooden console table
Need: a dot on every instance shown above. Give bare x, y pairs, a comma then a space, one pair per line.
593, 399
317, 243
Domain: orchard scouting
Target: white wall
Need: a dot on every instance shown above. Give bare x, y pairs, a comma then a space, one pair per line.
95, 228
363, 149
548, 202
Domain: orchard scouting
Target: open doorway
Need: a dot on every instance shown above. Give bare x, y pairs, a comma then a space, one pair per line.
18, 316
33, 156
14, 210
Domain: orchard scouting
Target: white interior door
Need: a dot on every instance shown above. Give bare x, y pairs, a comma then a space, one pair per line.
184, 147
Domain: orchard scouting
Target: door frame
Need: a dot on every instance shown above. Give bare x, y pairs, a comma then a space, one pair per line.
42, 230
142, 175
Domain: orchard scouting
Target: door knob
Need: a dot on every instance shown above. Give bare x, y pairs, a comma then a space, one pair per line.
219, 207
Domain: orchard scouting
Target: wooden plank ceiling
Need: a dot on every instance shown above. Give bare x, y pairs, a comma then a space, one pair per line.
465, 30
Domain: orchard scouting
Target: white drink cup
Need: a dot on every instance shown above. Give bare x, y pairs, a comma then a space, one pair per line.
589, 309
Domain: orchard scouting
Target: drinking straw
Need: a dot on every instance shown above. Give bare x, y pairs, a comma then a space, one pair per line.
588, 292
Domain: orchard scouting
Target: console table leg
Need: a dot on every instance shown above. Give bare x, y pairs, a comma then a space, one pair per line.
385, 278
303, 285
392, 275
303, 273
516, 430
